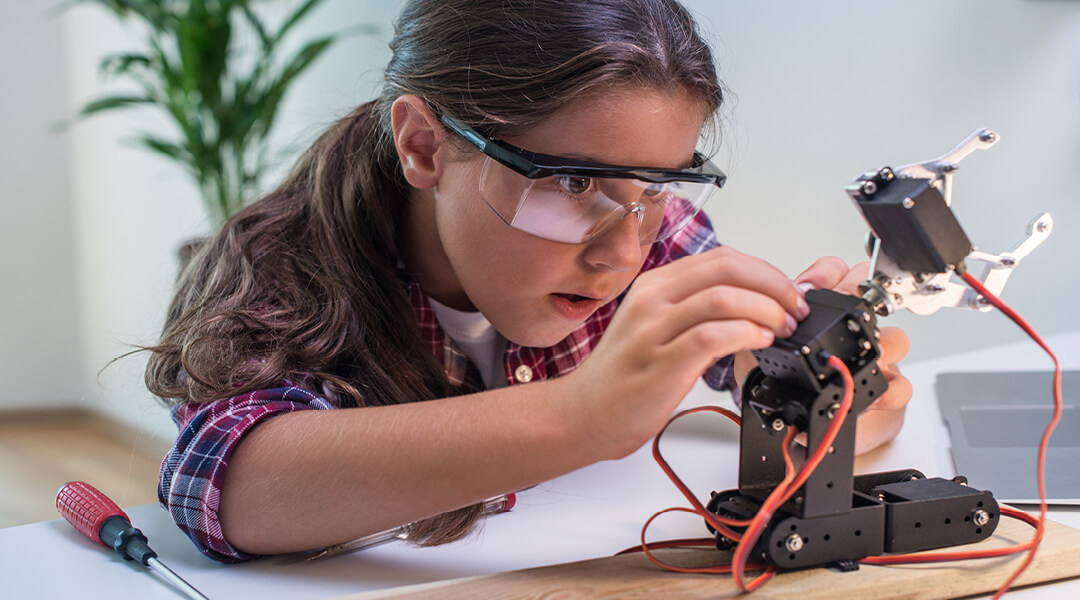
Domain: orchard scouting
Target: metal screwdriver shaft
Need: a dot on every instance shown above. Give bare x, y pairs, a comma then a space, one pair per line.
100, 519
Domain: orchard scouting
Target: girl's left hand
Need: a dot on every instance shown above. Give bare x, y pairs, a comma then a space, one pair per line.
882, 420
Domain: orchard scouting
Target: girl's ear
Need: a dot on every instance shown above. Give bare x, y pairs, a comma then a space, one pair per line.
418, 136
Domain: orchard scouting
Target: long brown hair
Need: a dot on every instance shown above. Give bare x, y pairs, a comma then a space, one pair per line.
302, 284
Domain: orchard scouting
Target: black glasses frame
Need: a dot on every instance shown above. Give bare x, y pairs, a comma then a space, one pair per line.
535, 165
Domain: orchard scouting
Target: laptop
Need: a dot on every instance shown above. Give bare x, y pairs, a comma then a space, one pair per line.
996, 421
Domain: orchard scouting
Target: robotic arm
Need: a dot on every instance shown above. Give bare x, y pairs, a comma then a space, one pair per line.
836, 518
916, 243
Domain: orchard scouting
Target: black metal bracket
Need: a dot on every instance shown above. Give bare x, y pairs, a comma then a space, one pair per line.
837, 517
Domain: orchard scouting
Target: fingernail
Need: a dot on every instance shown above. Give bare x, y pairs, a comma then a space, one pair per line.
790, 325
802, 309
768, 333
805, 286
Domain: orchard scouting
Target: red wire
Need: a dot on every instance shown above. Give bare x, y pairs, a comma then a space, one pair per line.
791, 483
1044, 443
721, 524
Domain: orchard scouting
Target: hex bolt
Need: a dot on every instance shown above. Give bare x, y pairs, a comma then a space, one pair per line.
778, 425
980, 518
793, 543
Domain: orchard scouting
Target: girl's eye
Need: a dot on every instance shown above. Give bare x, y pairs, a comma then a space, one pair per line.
575, 185
655, 190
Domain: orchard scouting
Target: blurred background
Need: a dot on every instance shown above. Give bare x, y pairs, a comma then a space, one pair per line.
821, 92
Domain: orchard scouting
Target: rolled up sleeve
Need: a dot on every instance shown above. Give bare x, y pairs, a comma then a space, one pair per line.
193, 471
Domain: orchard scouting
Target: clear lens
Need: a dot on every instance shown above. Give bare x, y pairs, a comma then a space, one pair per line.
573, 209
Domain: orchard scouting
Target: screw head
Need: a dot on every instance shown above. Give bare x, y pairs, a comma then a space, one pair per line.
805, 349
869, 188
908, 203
778, 424
989, 136
793, 543
980, 518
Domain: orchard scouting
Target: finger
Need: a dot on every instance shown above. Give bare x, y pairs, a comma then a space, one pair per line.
726, 266
824, 274
721, 303
897, 396
699, 347
894, 344
849, 283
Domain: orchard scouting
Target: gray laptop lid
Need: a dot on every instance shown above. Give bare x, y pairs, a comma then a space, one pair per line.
995, 422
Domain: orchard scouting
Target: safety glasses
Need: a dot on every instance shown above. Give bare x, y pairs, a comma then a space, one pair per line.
572, 201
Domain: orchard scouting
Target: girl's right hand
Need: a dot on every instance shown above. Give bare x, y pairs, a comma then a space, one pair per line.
674, 323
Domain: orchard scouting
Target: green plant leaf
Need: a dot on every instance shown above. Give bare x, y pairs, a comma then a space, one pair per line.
111, 103
166, 148
114, 65
294, 18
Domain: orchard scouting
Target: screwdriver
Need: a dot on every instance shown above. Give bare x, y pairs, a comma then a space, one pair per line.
100, 519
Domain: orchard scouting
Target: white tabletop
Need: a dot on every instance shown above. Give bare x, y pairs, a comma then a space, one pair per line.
590, 513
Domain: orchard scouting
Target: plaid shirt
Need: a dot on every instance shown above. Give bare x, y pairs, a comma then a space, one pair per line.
193, 471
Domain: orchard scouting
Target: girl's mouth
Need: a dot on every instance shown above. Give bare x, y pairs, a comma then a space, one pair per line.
573, 297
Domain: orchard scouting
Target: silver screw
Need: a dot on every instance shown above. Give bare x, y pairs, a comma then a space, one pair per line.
778, 425
908, 203
831, 412
866, 345
949, 167
793, 543
852, 326
988, 136
865, 316
805, 349
980, 518
1042, 226
869, 188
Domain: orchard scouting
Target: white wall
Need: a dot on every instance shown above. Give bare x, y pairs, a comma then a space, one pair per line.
39, 333
825, 90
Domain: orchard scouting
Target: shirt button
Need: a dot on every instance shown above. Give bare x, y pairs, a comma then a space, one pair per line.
523, 374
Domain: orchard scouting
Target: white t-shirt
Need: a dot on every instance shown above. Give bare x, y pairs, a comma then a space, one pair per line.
477, 336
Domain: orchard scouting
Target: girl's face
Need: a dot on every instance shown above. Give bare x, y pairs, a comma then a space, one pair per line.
535, 291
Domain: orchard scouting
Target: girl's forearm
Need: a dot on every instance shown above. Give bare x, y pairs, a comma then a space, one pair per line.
313, 478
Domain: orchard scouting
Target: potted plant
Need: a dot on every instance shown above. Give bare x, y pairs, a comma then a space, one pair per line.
222, 97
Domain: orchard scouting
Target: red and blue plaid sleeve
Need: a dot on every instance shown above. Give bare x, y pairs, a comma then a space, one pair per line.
194, 469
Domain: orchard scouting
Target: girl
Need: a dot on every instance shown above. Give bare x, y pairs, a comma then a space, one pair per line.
449, 269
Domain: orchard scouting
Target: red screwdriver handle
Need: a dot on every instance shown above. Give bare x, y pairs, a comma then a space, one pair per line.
86, 508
